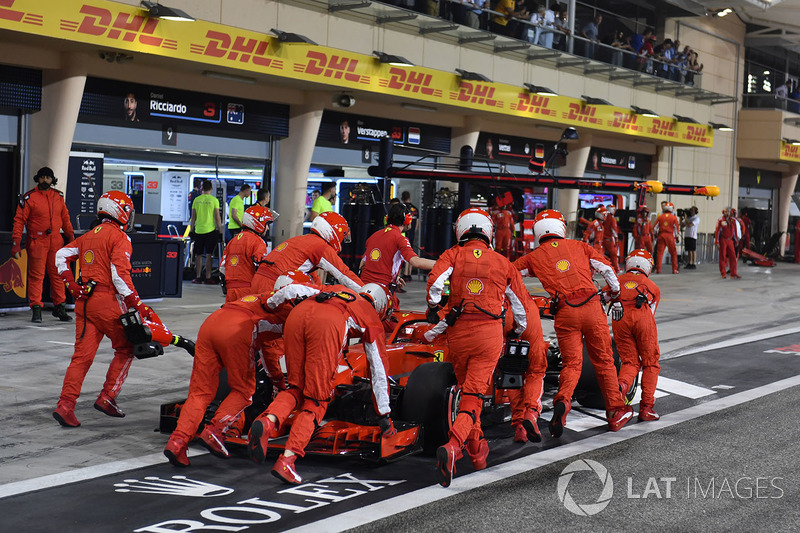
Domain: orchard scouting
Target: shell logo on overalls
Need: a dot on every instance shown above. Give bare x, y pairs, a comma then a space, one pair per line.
234, 260
250, 298
375, 254
475, 286
88, 257
562, 266
281, 246
631, 284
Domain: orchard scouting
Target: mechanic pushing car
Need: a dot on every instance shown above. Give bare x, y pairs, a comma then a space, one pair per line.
307, 253
244, 253
593, 234
635, 332
106, 291
668, 228
247, 322
481, 280
611, 237
564, 268
315, 333
387, 249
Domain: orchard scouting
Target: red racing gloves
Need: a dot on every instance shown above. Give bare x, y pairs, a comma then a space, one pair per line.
75, 289
133, 301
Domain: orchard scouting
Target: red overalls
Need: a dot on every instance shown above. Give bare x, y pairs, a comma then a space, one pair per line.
667, 225
240, 259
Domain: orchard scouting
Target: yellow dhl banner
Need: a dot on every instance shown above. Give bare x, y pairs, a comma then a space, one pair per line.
789, 152
109, 24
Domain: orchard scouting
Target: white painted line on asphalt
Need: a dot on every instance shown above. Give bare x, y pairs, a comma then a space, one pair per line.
421, 497
82, 474
733, 342
681, 388
60, 342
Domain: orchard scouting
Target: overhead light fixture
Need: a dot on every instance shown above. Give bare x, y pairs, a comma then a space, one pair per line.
644, 112
538, 89
418, 107
157, 11
722, 13
688, 120
229, 77
594, 101
793, 142
472, 76
397, 61
291, 38
114, 57
720, 127
569, 134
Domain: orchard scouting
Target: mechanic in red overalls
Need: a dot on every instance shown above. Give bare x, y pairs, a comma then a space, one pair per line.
244, 253
643, 230
387, 249
564, 268
503, 220
481, 281
724, 238
745, 220
636, 334
104, 259
611, 236
318, 249
246, 322
43, 212
594, 232
315, 333
667, 226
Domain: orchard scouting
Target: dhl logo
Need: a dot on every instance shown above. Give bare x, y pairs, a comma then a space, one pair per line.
791, 150
582, 113
18, 16
624, 121
696, 134
336, 67
122, 26
236, 48
476, 94
410, 81
534, 104
664, 128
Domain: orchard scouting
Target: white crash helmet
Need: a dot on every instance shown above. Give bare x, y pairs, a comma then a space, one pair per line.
640, 260
377, 296
549, 222
474, 222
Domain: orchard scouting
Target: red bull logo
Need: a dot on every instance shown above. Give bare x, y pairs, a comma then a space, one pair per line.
13, 275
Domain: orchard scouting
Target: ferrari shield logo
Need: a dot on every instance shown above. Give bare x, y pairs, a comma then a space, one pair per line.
554, 244
438, 356
477, 253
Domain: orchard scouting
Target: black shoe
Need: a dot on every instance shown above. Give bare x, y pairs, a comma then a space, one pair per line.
37, 314
557, 423
60, 312
407, 277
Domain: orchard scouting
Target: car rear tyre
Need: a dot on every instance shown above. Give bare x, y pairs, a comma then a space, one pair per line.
431, 398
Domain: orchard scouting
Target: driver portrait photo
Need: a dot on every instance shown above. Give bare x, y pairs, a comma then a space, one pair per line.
344, 131
130, 108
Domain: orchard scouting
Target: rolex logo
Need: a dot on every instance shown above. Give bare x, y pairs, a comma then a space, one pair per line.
182, 486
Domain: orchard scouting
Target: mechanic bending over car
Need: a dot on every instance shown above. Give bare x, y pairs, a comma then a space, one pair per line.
480, 282
318, 249
315, 333
564, 268
244, 253
635, 332
387, 249
248, 322
105, 292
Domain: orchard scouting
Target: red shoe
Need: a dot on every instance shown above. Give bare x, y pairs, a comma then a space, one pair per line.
175, 451
724, 276
629, 392
197, 281
674, 271
478, 451
285, 471
520, 434
65, 415
446, 457
559, 419
531, 426
646, 413
107, 405
736, 276
211, 437
619, 418
258, 439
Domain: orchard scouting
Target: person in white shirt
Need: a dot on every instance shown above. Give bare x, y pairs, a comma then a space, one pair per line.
690, 237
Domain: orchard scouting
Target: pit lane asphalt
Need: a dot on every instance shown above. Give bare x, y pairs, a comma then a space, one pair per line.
698, 309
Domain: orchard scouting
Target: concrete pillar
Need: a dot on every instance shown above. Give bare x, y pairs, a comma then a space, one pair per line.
788, 182
294, 160
53, 128
575, 167
466, 135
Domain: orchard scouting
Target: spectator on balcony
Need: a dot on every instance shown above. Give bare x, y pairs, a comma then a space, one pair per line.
622, 47
543, 22
646, 54
792, 104
561, 27
665, 54
692, 67
782, 92
472, 11
504, 23
590, 32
